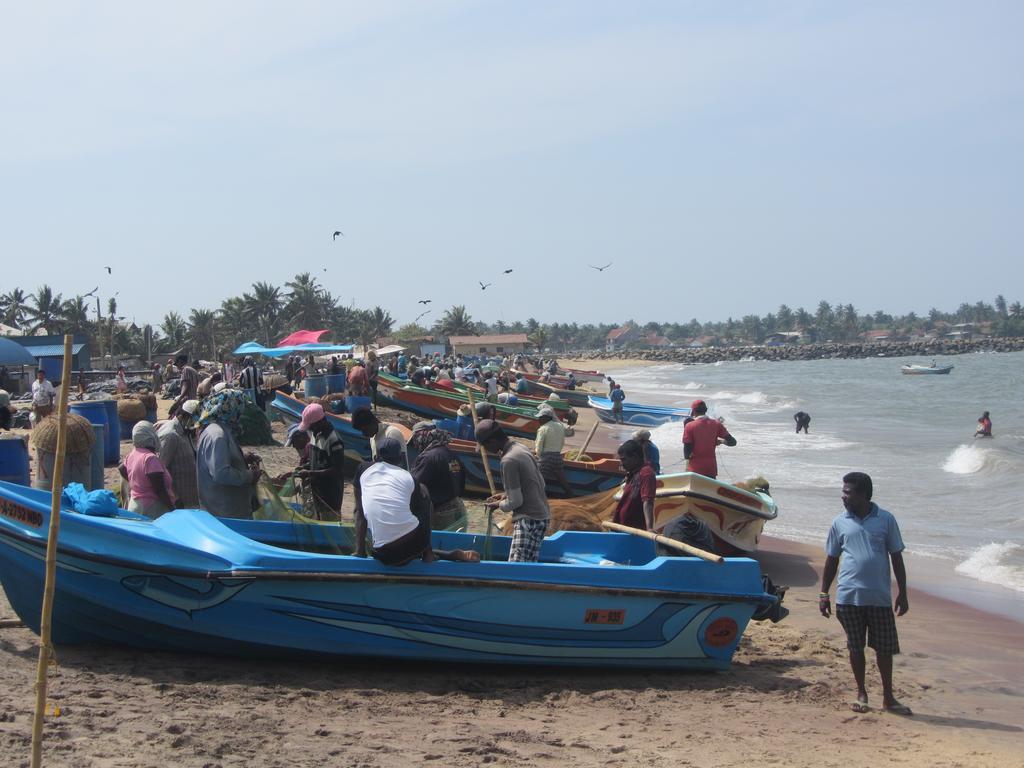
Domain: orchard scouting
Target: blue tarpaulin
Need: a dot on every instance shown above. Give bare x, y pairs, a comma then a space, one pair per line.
254, 348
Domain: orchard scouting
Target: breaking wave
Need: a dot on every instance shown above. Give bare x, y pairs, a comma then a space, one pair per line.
996, 563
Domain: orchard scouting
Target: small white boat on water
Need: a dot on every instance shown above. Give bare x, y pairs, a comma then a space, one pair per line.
915, 370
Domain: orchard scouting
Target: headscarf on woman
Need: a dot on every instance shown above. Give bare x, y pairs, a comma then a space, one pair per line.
224, 407
144, 436
426, 435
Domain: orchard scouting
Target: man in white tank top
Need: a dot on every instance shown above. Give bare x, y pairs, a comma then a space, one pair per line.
397, 512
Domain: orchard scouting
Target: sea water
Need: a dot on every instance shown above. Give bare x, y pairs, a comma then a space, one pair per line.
957, 498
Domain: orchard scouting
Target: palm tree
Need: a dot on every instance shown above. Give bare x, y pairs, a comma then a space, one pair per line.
233, 322
456, 322
13, 307
304, 308
539, 338
75, 315
45, 310
1001, 305
264, 309
784, 316
381, 322
174, 330
1015, 309
202, 332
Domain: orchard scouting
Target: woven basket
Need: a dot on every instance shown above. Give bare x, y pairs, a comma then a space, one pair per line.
80, 436
130, 409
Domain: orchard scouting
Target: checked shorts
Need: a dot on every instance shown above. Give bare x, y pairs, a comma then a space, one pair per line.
875, 621
527, 536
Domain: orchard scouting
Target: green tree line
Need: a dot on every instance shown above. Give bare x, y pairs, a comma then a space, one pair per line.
266, 313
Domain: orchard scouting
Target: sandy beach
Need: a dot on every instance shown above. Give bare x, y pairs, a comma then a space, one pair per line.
785, 701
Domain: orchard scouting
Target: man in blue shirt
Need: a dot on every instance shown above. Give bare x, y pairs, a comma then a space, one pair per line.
860, 544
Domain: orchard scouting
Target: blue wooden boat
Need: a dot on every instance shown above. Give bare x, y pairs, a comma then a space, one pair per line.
585, 477
636, 414
192, 582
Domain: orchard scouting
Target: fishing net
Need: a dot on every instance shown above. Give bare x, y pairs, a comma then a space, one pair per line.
254, 427
583, 513
309, 531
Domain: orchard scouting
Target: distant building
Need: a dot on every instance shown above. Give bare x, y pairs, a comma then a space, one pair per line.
779, 338
496, 344
49, 353
876, 336
961, 331
654, 340
618, 338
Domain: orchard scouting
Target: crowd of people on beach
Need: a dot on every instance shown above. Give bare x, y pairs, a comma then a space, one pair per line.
414, 485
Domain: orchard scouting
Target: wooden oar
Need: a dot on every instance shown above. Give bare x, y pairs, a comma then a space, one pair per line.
586, 443
490, 477
666, 541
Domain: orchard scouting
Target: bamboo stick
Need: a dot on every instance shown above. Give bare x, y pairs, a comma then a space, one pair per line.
666, 541
490, 477
590, 436
46, 653
483, 451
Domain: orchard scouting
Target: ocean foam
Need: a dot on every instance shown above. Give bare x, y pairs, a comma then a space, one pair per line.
692, 386
966, 459
753, 398
996, 563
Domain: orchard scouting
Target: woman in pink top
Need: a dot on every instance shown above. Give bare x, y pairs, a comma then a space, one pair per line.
148, 478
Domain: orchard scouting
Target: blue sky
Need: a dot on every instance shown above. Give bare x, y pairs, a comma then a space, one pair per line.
726, 156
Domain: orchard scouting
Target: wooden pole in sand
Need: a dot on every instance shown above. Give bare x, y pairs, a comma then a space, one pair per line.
46, 654
666, 541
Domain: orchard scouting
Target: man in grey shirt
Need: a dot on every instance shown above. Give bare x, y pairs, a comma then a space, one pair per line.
524, 494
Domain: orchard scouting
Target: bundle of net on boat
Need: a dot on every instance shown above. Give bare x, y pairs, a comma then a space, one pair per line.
582, 513
314, 527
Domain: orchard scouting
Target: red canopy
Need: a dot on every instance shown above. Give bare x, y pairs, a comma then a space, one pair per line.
301, 337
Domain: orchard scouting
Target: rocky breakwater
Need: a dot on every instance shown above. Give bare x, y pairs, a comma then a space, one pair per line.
819, 351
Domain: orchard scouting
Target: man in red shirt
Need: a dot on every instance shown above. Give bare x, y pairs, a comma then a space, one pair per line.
636, 507
700, 439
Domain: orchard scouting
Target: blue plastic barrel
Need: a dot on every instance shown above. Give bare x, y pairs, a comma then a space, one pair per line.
112, 452
96, 412
14, 461
354, 402
336, 382
315, 385
98, 449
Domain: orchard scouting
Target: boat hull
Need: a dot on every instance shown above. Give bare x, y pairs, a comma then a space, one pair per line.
585, 477
637, 415
190, 582
575, 397
442, 404
736, 517
923, 370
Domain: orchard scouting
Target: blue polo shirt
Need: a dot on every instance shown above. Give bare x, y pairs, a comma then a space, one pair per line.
864, 546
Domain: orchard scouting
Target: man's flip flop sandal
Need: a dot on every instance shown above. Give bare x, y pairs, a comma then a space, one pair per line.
859, 707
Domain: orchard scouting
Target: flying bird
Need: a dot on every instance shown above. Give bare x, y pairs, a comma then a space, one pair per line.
90, 293
109, 270
424, 301
483, 286
508, 271
600, 269
421, 314
336, 233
